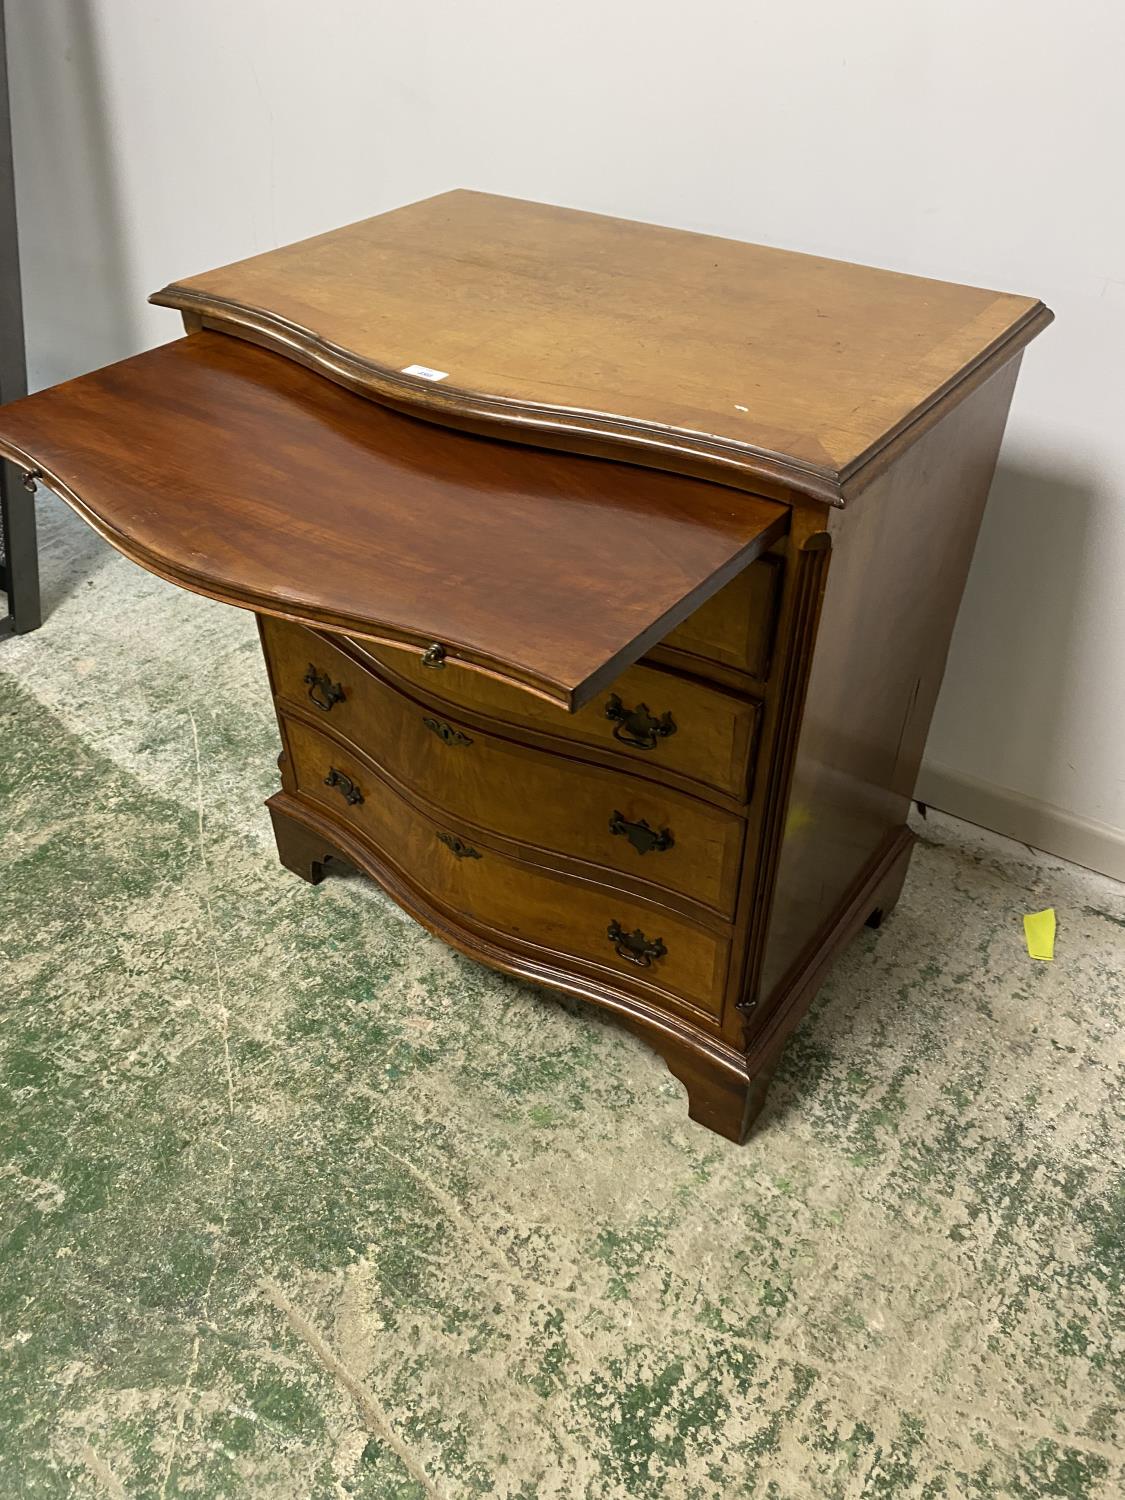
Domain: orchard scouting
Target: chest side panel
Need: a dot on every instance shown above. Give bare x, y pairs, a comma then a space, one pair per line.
897, 569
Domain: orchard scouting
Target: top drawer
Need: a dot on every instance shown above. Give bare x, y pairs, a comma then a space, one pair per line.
654, 720
736, 626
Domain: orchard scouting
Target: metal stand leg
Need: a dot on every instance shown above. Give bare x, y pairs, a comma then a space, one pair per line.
19, 567
19, 560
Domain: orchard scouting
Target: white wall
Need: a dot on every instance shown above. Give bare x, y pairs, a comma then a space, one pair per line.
975, 140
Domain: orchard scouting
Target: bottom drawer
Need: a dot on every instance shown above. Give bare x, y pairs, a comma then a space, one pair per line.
643, 944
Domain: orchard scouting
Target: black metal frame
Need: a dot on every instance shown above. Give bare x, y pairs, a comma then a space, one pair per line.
19, 555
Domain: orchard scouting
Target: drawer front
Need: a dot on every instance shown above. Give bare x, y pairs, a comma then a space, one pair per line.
649, 947
652, 719
736, 626
623, 823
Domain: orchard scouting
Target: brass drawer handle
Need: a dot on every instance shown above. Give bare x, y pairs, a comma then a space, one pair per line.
320, 682
637, 726
446, 733
348, 789
643, 838
434, 656
459, 847
634, 946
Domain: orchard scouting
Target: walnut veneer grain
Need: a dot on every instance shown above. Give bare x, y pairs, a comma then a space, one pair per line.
495, 783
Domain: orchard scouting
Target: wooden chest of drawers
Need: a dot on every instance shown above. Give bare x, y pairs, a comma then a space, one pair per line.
615, 670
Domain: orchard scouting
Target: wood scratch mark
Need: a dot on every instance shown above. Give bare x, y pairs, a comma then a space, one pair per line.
102, 1472
369, 1408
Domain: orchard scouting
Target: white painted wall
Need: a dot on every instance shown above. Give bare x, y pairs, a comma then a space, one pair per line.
976, 140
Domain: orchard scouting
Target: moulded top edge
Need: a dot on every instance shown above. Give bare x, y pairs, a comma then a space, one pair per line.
749, 364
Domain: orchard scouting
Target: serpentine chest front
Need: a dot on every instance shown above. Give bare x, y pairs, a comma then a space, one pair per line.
605, 577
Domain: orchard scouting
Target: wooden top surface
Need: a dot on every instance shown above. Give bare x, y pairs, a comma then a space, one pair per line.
696, 352
242, 475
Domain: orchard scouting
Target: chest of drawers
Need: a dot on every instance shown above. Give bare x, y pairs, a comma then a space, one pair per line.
605, 639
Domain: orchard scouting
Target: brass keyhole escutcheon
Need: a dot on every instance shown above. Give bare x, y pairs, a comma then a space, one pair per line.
458, 846
445, 732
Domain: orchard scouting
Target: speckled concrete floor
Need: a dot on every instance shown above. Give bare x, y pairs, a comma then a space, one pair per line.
295, 1202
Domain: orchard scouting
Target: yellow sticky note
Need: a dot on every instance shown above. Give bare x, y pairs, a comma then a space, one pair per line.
799, 817
1039, 929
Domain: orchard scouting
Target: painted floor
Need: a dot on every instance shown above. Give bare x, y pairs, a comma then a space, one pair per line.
296, 1202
